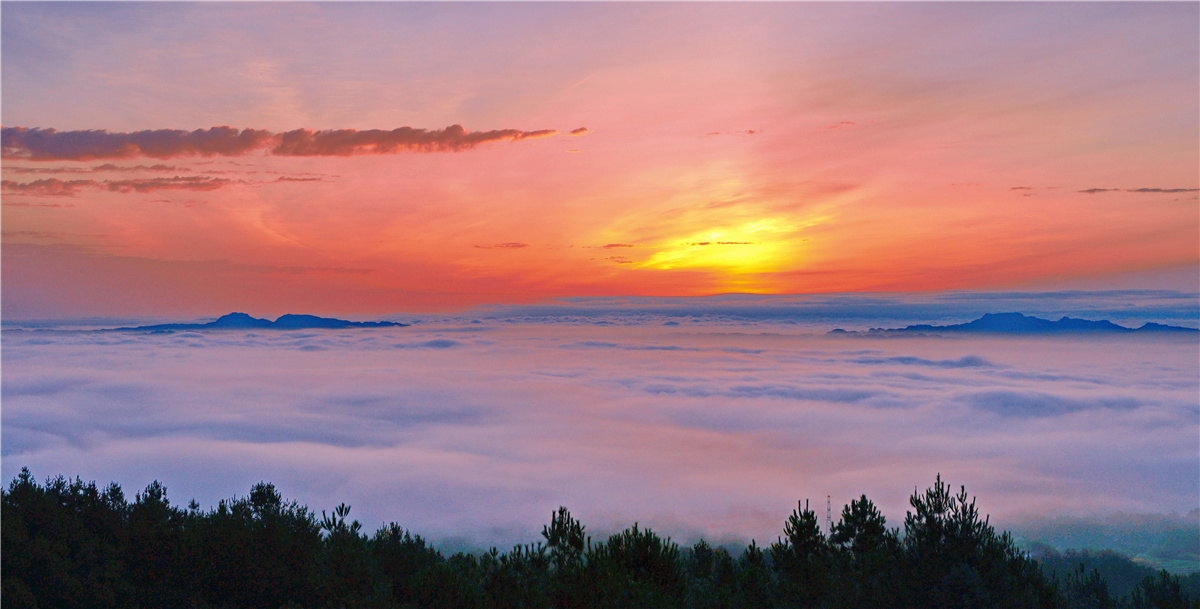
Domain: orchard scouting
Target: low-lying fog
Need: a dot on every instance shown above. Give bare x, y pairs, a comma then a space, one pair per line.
475, 429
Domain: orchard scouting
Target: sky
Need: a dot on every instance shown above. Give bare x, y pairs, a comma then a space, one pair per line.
621, 232
183, 159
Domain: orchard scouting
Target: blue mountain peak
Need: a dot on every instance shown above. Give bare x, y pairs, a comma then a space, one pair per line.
1017, 323
242, 321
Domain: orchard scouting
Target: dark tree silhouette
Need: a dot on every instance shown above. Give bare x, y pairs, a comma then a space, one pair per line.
69, 544
801, 558
1161, 591
566, 540
953, 559
1085, 590
862, 530
868, 557
636, 568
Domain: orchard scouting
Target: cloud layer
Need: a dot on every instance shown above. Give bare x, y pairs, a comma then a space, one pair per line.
51, 145
479, 430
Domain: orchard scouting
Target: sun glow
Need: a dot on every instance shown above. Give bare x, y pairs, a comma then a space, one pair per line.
755, 247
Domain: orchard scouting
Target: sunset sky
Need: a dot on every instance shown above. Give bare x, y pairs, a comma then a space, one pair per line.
368, 158
621, 233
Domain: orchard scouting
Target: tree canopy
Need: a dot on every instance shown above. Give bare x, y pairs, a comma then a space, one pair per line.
71, 544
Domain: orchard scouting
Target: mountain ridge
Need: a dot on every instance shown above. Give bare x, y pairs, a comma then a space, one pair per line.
1018, 323
290, 321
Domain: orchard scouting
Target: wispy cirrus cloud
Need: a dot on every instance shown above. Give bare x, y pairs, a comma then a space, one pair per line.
27, 204
1167, 190
54, 187
1093, 191
49, 187
298, 179
105, 168
503, 246
51, 145
175, 183
742, 132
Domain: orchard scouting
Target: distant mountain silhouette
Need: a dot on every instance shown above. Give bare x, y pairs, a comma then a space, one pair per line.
1016, 323
242, 321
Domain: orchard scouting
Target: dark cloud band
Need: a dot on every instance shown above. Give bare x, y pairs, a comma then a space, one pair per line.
52, 145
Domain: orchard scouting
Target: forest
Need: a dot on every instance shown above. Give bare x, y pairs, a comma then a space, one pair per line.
72, 544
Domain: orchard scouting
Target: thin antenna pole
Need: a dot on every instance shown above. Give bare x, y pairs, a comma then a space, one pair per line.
828, 515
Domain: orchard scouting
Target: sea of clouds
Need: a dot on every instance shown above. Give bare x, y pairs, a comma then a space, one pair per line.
696, 417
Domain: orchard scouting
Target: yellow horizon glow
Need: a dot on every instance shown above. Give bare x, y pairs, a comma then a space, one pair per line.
761, 246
